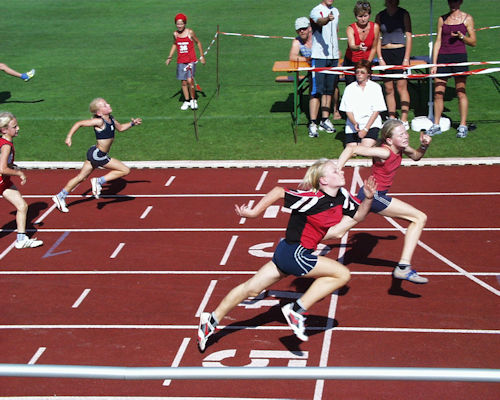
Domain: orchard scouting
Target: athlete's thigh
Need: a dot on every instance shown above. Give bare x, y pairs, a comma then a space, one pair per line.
13, 196
266, 276
399, 209
115, 164
326, 267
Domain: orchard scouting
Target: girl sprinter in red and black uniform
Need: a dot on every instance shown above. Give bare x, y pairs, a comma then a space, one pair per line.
323, 210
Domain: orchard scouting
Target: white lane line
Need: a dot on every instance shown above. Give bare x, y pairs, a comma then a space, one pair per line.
271, 212
37, 355
250, 205
146, 212
262, 328
446, 261
205, 299
170, 180
7, 250
261, 180
117, 250
84, 294
229, 249
217, 272
45, 214
178, 358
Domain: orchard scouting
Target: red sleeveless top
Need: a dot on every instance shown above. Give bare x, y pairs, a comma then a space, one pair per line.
385, 170
359, 55
185, 50
6, 178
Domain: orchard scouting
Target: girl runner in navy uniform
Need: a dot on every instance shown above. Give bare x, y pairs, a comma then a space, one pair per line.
9, 129
386, 160
324, 210
97, 156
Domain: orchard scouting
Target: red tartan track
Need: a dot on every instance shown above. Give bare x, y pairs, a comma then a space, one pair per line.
120, 281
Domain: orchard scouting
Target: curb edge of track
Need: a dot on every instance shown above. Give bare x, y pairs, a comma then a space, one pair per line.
258, 163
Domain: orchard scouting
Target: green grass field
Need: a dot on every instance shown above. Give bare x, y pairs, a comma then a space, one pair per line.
117, 49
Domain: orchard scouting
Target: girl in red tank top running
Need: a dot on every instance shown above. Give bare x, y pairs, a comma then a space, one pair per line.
386, 160
184, 43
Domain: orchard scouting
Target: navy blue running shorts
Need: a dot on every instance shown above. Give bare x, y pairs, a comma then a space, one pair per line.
294, 259
97, 157
380, 201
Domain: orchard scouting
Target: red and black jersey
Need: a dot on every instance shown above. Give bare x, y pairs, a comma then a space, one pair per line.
314, 212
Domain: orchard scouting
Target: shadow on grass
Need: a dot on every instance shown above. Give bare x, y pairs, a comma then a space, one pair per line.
4, 96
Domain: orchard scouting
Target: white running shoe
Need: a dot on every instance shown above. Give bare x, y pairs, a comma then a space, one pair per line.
205, 330
28, 243
409, 274
194, 104
185, 105
313, 130
327, 126
295, 321
96, 187
60, 204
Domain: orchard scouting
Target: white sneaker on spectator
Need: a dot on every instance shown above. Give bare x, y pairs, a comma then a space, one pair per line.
327, 126
313, 130
185, 105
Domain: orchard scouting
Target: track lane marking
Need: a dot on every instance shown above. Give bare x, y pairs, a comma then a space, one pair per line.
262, 328
82, 297
229, 249
447, 261
205, 299
37, 355
178, 358
146, 212
170, 180
117, 250
261, 180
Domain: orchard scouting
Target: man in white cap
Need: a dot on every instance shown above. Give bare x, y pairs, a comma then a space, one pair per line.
301, 45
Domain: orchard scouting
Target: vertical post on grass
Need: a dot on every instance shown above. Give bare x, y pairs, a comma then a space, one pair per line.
217, 61
195, 123
430, 103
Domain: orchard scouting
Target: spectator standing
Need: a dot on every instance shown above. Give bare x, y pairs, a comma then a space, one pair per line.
362, 101
455, 30
184, 41
394, 48
362, 38
325, 53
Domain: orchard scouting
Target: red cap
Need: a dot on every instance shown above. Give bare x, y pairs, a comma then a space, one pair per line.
180, 16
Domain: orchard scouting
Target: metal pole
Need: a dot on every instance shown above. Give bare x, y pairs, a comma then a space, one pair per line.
430, 103
217, 62
267, 373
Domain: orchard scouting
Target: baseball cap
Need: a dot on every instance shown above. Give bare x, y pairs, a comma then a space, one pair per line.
301, 22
